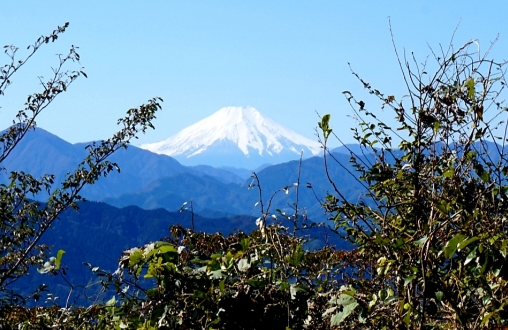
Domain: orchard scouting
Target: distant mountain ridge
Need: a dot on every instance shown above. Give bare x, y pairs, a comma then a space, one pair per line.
152, 181
235, 136
42, 152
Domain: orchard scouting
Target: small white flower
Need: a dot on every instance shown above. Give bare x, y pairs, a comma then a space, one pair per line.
131, 251
180, 249
148, 248
407, 167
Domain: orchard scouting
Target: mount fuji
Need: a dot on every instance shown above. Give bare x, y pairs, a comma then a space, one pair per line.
235, 137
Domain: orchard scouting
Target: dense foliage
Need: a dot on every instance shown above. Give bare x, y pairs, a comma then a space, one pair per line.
23, 220
433, 223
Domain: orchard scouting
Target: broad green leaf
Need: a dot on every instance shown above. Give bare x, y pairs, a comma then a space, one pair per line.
135, 258
329, 310
284, 285
443, 207
466, 242
449, 173
407, 318
421, 241
471, 155
167, 248
111, 301
216, 274
408, 280
349, 292
348, 304
452, 244
202, 269
486, 318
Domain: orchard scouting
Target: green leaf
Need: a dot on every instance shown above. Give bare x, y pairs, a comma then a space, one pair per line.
324, 125
373, 301
466, 242
471, 155
485, 321
443, 207
421, 241
437, 125
257, 284
485, 176
58, 259
482, 173
470, 89
452, 245
408, 280
135, 258
167, 248
329, 310
297, 256
216, 274
284, 285
348, 304
382, 294
449, 173
407, 318
111, 302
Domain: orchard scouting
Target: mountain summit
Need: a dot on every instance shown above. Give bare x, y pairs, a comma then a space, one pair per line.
235, 136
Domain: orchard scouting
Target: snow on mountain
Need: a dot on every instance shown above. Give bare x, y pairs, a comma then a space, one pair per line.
235, 136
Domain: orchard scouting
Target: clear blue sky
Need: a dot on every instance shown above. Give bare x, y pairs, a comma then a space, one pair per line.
288, 59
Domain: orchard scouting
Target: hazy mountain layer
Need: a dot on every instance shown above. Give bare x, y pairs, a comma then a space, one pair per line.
41, 152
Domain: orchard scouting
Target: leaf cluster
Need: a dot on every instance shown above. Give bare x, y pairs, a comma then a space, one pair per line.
432, 222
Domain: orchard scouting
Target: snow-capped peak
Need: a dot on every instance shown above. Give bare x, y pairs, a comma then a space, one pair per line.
244, 127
